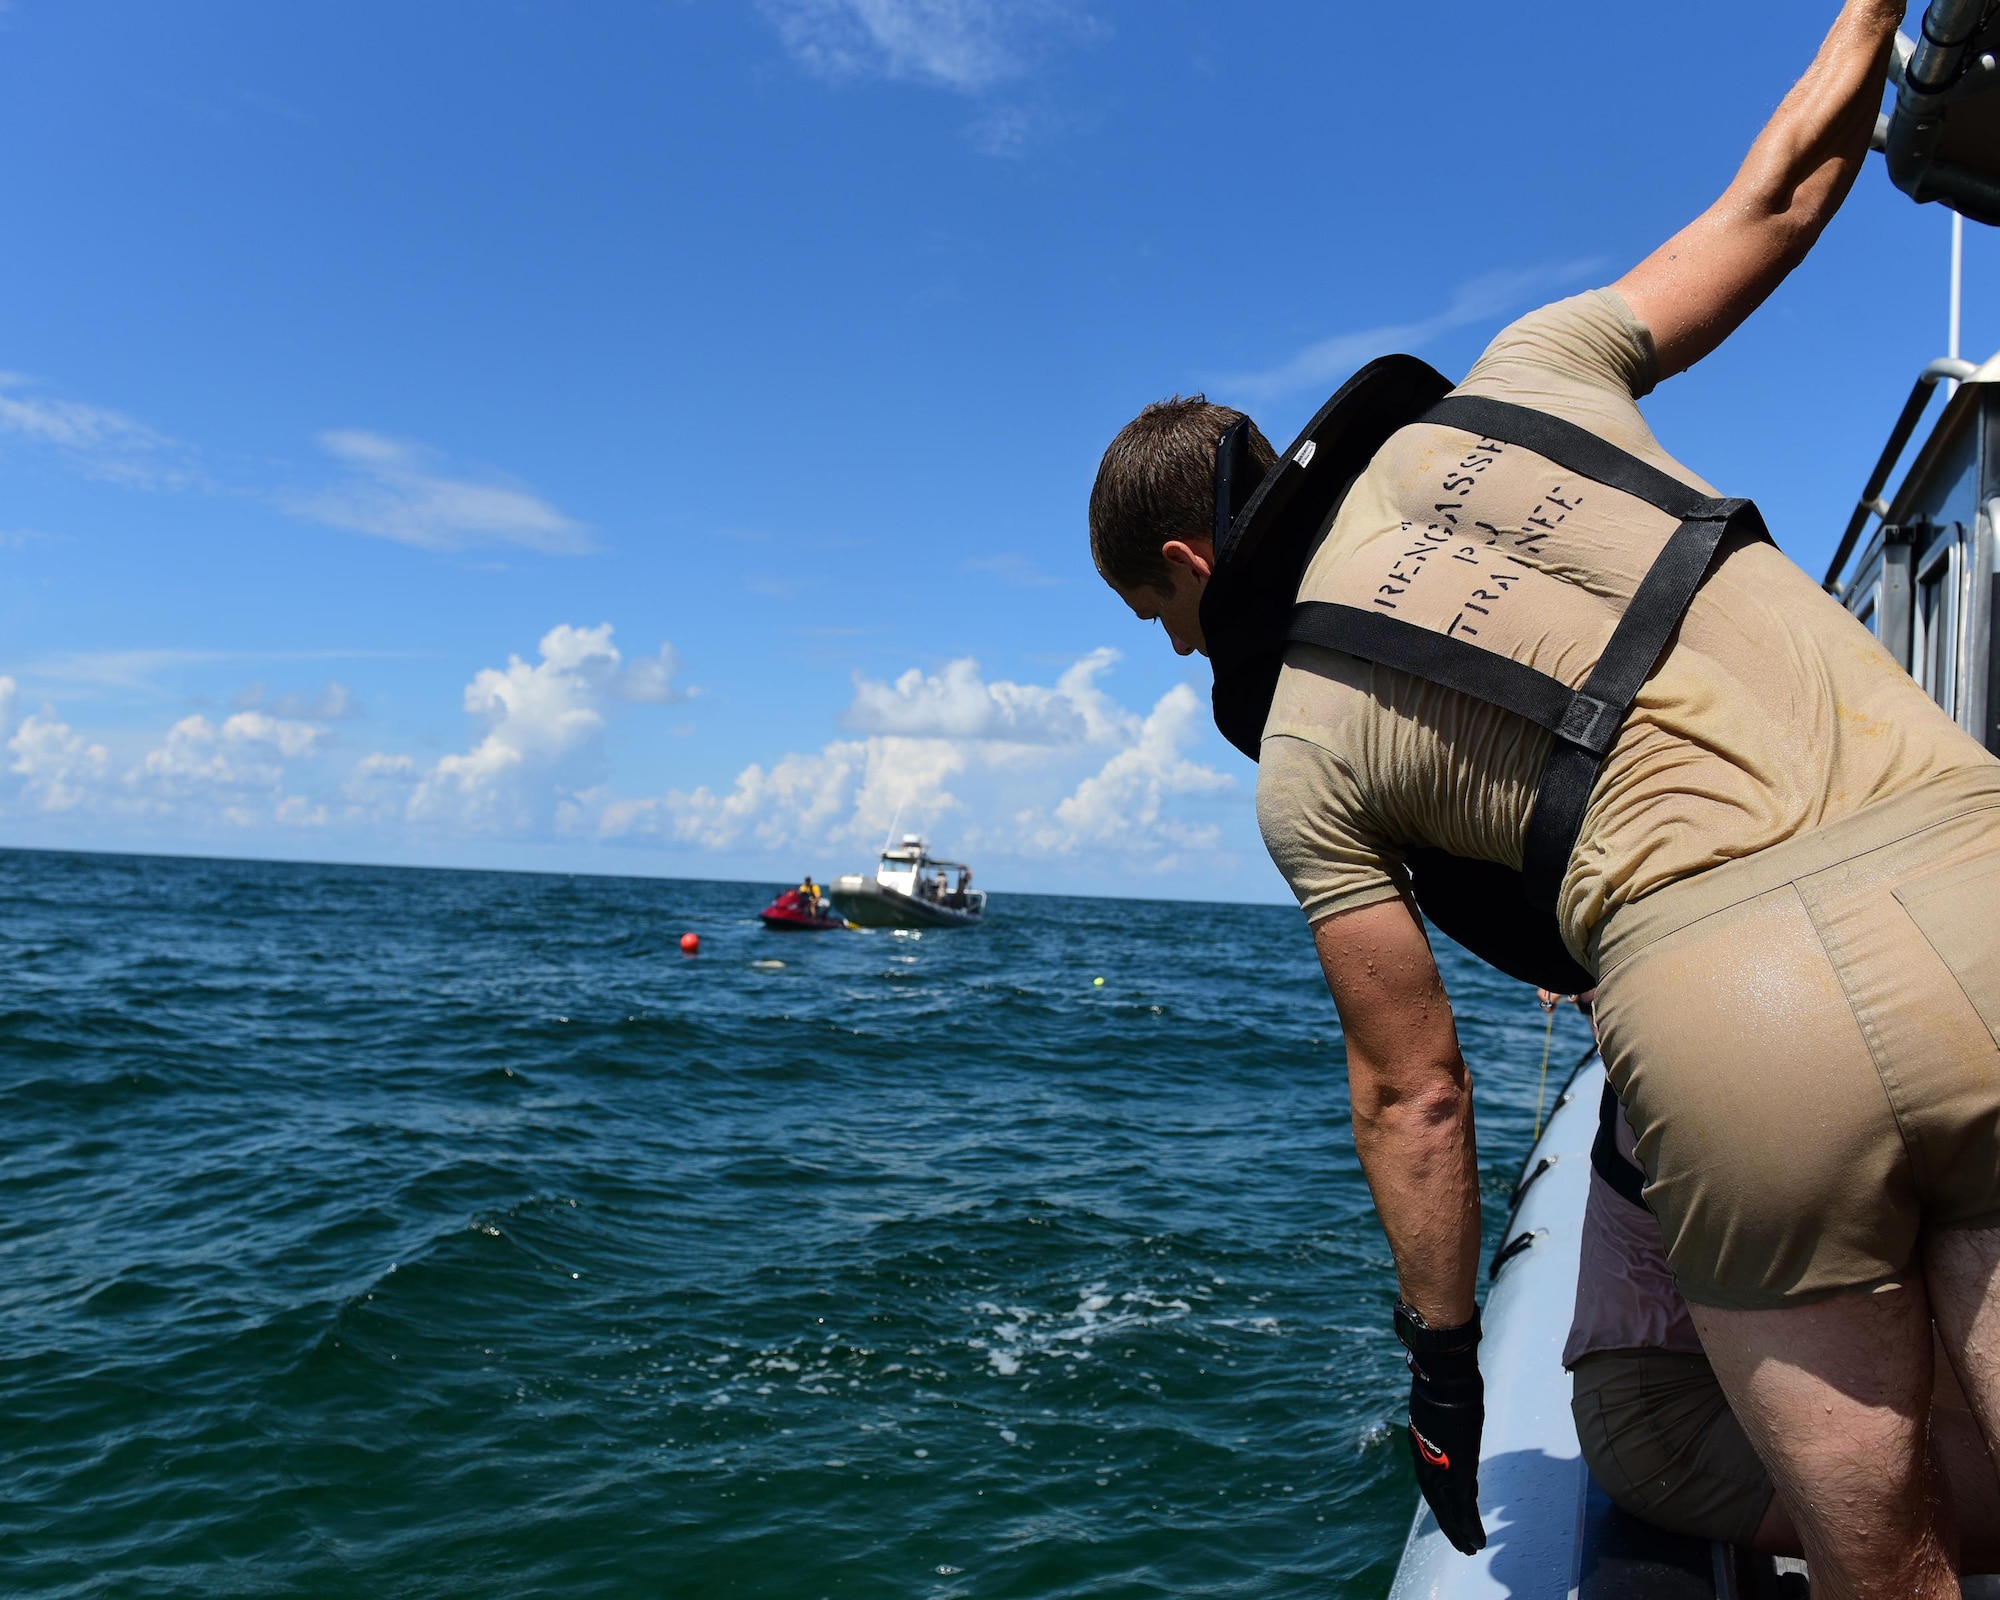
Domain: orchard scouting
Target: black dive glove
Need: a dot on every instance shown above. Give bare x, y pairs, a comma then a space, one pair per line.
1447, 1412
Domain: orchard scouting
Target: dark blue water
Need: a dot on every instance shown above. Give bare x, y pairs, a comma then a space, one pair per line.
383, 1232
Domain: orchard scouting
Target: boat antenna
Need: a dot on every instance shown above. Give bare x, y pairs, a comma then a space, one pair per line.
1957, 283
898, 817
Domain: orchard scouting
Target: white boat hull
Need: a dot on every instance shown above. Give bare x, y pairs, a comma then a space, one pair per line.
1531, 1475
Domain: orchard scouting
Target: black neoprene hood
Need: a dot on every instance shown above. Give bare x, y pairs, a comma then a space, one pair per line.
1265, 534
1264, 537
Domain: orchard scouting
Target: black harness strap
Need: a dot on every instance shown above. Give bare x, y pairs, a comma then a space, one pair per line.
1625, 1178
1605, 700
1586, 721
1435, 657
1566, 445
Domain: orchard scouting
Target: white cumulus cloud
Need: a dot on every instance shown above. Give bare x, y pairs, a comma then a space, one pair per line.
1004, 768
235, 772
993, 768
848, 793
535, 764
1129, 795
55, 767
234, 764
44, 761
543, 750
957, 703
649, 680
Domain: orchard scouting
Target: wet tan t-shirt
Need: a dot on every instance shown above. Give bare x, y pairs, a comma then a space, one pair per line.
1774, 713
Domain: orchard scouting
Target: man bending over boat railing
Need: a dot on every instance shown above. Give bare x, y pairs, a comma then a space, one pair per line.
1497, 635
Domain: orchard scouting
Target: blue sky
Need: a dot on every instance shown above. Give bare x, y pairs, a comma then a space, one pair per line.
654, 437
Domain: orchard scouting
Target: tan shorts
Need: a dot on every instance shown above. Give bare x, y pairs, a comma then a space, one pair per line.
1804, 1043
1658, 1435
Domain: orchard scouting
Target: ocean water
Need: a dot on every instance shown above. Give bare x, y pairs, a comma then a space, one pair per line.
401, 1233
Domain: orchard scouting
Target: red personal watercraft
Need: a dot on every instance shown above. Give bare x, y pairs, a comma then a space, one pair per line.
792, 911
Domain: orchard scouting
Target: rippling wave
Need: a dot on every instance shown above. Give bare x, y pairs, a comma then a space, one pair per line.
405, 1233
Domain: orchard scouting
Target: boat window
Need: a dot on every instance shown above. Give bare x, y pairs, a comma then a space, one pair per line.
1934, 649
1949, 490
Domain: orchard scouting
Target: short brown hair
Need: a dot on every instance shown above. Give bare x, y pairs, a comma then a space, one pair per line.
1157, 482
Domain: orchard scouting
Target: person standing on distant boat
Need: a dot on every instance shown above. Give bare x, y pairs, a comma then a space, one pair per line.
1783, 879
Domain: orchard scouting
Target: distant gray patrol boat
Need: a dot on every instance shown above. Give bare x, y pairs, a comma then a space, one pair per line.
911, 889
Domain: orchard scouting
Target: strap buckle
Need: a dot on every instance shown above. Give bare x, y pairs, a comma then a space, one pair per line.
1590, 722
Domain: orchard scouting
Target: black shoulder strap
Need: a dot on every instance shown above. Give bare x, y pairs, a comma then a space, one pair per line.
1566, 445
1586, 721
1605, 700
1624, 1176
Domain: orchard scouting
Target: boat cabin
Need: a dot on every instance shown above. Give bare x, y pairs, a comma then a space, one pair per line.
911, 890
910, 869
1923, 581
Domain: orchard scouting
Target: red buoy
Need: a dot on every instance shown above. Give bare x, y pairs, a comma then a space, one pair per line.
690, 943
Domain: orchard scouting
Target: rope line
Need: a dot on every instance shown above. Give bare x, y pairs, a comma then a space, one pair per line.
1541, 1094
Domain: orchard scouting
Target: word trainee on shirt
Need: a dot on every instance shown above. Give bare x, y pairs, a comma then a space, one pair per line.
1461, 479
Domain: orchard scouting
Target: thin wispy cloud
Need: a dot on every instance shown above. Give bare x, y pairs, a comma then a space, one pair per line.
1009, 130
402, 491
115, 669
1483, 299
393, 489
139, 672
966, 45
1014, 570
94, 440
334, 703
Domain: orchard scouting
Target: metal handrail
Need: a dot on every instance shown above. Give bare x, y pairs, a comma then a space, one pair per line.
1871, 502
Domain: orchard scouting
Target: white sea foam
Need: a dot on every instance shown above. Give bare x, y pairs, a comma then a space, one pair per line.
1020, 1335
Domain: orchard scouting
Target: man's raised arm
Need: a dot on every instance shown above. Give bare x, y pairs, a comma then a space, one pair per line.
1699, 287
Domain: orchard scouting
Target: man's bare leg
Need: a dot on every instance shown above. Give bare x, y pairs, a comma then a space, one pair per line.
1963, 1265
1836, 1398
1959, 1459
1959, 1453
